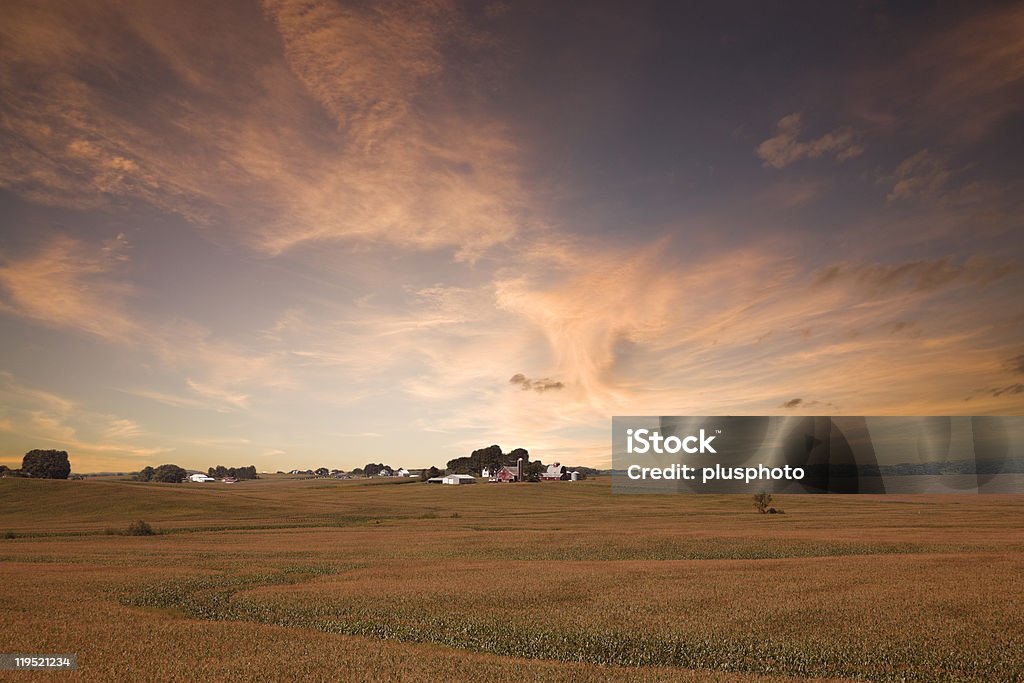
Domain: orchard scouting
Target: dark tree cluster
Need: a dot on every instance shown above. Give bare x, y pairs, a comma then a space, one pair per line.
374, 469
46, 464
534, 470
219, 472
490, 458
167, 474
430, 473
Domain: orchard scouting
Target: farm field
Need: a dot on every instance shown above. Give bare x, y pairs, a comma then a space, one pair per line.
374, 580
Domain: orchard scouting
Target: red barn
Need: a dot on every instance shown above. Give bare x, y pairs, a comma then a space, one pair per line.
505, 475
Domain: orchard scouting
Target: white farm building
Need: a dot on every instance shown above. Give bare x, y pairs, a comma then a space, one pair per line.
458, 479
199, 477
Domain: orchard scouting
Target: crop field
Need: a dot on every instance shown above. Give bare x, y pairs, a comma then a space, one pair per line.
282, 579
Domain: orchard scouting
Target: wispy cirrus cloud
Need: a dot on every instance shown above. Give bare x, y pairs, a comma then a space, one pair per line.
409, 162
30, 415
785, 147
632, 331
1016, 364
78, 286
960, 81
921, 275
66, 283
923, 175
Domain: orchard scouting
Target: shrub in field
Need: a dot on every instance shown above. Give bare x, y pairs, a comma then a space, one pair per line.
762, 503
140, 528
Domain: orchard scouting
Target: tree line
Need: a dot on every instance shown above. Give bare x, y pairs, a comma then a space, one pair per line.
219, 472
168, 474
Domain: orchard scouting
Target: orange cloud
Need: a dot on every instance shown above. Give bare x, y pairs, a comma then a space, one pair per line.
922, 175
31, 416
76, 286
406, 161
65, 285
785, 147
635, 333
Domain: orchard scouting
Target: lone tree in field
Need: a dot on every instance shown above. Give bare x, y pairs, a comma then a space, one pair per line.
762, 501
46, 464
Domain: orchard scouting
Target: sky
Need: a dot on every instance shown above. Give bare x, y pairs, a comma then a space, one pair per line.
312, 233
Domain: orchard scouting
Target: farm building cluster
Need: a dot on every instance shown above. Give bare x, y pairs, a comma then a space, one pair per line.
488, 464
507, 474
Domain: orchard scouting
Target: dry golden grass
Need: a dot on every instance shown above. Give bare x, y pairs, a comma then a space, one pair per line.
320, 580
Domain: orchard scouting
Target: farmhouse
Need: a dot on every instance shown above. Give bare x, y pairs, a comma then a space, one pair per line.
199, 477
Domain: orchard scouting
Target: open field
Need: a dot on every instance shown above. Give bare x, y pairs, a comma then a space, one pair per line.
328, 580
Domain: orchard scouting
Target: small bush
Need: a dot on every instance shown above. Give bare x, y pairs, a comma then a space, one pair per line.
10, 534
140, 528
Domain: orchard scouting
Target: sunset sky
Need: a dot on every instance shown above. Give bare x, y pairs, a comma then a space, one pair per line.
314, 233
